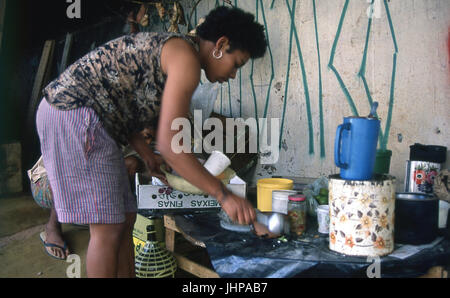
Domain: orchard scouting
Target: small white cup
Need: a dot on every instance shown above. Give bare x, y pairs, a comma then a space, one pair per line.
323, 218
217, 163
444, 208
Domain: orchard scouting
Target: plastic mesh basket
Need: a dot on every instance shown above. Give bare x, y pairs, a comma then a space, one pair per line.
153, 261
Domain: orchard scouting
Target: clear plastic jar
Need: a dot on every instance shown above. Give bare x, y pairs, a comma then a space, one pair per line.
297, 214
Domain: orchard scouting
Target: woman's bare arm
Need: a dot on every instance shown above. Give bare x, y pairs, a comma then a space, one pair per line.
179, 61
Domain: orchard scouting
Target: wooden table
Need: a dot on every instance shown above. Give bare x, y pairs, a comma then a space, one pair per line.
183, 262
202, 271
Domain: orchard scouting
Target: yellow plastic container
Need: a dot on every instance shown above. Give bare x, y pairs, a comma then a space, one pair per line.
264, 188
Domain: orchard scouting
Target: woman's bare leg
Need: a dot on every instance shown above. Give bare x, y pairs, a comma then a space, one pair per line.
103, 251
53, 234
126, 250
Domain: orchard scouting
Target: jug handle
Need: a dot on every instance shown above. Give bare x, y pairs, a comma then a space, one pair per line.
337, 145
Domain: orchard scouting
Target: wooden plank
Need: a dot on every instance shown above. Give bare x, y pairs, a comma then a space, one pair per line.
195, 268
183, 262
66, 51
48, 69
169, 223
42, 76
170, 240
436, 272
43, 68
193, 240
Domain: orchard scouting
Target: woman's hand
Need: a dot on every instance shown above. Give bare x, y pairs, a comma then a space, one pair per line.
237, 208
151, 160
133, 165
262, 231
153, 163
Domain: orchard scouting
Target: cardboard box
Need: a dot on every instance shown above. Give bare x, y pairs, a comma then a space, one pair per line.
166, 198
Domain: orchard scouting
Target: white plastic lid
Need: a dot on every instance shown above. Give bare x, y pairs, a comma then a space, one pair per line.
283, 194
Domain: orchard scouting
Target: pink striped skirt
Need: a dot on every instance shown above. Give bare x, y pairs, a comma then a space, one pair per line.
85, 167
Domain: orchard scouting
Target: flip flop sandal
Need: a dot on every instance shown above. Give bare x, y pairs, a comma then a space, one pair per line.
42, 235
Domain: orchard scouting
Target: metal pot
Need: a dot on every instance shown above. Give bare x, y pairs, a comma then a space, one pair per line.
275, 222
416, 218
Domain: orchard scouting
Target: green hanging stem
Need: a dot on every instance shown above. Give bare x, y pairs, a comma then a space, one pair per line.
195, 16
221, 101
362, 70
291, 34
305, 87
394, 67
391, 104
331, 66
391, 27
240, 94
253, 91
272, 74
255, 104
322, 136
229, 100
240, 81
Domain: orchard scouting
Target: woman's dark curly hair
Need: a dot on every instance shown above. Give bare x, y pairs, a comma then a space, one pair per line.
239, 26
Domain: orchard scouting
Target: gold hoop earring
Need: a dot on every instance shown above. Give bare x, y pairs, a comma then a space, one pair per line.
215, 54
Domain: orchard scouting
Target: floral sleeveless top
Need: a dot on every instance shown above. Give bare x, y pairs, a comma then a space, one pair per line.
121, 80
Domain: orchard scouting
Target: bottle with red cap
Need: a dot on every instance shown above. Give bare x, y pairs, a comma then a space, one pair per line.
297, 214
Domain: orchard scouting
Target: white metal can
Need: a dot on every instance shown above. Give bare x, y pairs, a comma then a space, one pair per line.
420, 176
280, 199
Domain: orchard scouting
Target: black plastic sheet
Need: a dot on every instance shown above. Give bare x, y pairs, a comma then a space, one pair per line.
245, 255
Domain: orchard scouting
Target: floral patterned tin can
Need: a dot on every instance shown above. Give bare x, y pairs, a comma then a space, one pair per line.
362, 215
420, 176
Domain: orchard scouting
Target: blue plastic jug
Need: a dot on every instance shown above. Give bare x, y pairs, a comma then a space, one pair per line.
355, 147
